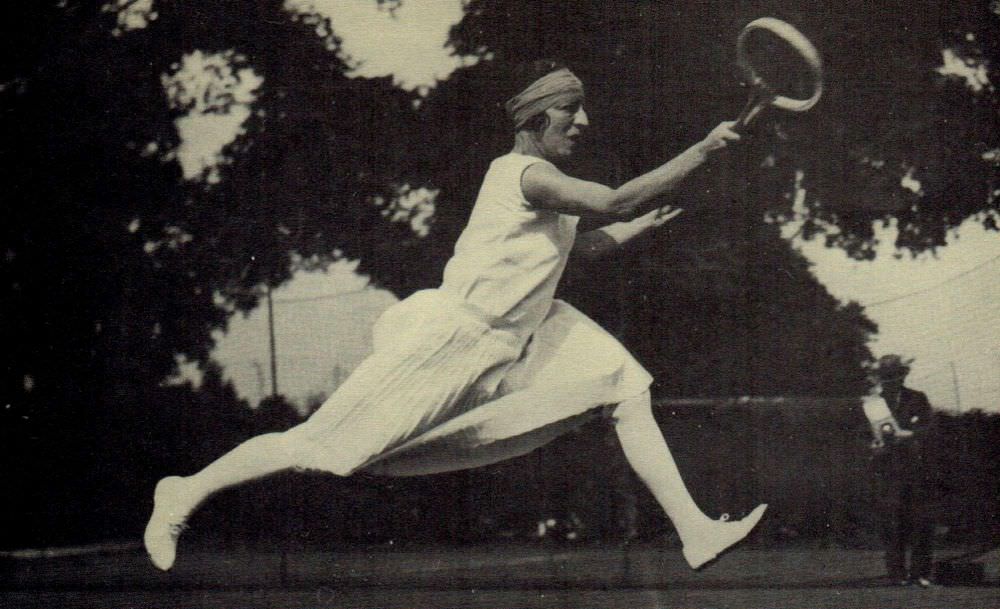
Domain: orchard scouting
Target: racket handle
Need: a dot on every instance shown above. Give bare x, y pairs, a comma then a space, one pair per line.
760, 98
750, 112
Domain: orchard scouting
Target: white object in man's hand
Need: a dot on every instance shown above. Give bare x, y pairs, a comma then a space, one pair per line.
883, 423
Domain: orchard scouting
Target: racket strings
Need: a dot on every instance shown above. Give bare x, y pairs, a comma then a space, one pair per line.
779, 65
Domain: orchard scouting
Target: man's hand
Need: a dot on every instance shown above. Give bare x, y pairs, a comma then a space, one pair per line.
719, 138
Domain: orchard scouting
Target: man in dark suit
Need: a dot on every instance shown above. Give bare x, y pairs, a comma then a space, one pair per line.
902, 465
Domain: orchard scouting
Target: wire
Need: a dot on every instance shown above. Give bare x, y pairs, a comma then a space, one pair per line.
262, 293
933, 287
332, 296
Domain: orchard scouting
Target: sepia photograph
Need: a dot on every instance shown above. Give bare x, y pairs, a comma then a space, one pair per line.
500, 304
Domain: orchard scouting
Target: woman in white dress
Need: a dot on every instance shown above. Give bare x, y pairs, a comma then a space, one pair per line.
490, 366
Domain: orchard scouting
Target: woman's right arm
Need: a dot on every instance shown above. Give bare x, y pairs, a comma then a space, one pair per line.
548, 188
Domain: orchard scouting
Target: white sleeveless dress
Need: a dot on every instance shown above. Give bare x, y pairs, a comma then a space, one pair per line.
487, 367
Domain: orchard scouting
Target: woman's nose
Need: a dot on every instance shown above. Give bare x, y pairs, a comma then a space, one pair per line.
580, 118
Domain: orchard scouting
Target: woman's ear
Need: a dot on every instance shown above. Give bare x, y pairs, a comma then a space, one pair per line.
538, 123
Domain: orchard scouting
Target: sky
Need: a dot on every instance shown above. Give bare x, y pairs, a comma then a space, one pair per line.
942, 309
323, 324
408, 44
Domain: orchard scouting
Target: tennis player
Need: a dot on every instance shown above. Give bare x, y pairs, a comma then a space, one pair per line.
490, 366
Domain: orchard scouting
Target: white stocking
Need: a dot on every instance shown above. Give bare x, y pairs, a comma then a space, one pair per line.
648, 454
255, 458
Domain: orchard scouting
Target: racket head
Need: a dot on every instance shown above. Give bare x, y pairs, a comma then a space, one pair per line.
797, 42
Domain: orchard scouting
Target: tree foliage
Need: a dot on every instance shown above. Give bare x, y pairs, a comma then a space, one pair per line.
114, 265
659, 73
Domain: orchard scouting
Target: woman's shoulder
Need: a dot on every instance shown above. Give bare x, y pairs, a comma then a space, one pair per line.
502, 184
517, 160
510, 168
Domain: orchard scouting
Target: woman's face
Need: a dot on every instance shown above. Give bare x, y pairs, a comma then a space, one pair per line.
563, 127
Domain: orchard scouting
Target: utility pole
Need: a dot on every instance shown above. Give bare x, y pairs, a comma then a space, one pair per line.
274, 357
260, 380
954, 379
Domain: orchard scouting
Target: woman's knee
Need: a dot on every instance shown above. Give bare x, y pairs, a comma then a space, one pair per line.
282, 447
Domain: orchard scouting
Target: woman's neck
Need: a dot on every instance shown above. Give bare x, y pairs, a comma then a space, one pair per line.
526, 143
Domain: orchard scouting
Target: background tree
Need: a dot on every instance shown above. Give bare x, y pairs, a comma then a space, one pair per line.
114, 266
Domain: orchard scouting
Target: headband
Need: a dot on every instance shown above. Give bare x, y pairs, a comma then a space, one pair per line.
546, 92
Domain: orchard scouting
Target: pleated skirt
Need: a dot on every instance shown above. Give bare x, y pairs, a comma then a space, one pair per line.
445, 390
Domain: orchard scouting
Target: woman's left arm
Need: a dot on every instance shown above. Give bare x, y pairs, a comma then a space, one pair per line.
597, 243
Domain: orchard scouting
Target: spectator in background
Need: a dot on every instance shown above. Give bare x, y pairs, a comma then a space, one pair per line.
901, 463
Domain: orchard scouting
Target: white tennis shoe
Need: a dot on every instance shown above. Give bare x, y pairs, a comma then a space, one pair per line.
715, 537
166, 524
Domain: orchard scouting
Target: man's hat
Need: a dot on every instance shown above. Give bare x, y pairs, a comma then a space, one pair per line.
892, 367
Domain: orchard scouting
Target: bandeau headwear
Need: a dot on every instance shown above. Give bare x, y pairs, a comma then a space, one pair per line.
548, 91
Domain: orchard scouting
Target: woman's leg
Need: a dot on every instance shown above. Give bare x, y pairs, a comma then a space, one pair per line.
648, 454
177, 497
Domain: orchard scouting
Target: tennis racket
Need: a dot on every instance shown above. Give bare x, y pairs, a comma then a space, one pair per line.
781, 67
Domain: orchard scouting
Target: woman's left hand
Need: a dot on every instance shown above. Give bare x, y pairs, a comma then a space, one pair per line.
664, 214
